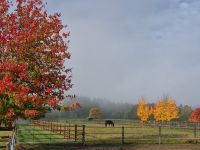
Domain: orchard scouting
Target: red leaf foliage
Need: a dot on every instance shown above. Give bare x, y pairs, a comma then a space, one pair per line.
32, 55
195, 115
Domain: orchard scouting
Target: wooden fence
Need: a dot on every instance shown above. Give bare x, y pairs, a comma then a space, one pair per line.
8, 141
73, 133
122, 134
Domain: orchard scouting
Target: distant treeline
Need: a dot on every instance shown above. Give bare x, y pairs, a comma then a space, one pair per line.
109, 110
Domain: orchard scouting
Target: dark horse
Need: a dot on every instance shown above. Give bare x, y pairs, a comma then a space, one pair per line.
109, 122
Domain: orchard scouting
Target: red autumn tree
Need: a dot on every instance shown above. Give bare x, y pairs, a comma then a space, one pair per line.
32, 54
195, 115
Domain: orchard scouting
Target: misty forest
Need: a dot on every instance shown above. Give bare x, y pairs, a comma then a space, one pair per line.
108, 110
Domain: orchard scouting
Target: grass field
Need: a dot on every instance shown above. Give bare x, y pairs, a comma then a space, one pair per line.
96, 134
32, 134
99, 136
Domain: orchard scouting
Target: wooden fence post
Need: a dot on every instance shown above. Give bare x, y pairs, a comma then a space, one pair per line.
50, 133
195, 133
159, 134
57, 127
7, 146
51, 126
83, 135
69, 131
33, 134
122, 134
75, 133
60, 129
48, 125
43, 124
65, 128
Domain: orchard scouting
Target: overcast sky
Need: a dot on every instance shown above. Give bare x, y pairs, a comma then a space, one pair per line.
124, 49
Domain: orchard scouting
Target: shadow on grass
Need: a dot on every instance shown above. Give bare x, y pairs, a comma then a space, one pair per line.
108, 147
150, 136
65, 146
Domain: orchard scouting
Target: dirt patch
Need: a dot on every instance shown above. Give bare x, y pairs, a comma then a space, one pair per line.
137, 147
164, 147
148, 147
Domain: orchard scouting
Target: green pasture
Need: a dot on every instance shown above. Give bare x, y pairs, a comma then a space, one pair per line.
134, 132
96, 133
32, 134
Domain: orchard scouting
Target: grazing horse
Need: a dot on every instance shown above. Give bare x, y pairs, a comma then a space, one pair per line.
109, 122
90, 118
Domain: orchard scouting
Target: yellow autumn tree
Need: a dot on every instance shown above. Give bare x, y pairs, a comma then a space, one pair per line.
95, 113
71, 106
159, 111
65, 108
165, 110
173, 110
143, 110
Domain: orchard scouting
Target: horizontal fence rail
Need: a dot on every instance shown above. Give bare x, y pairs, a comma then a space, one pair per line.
8, 141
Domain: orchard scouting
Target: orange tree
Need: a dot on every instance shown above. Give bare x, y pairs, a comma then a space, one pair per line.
195, 115
33, 77
143, 110
95, 113
165, 110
